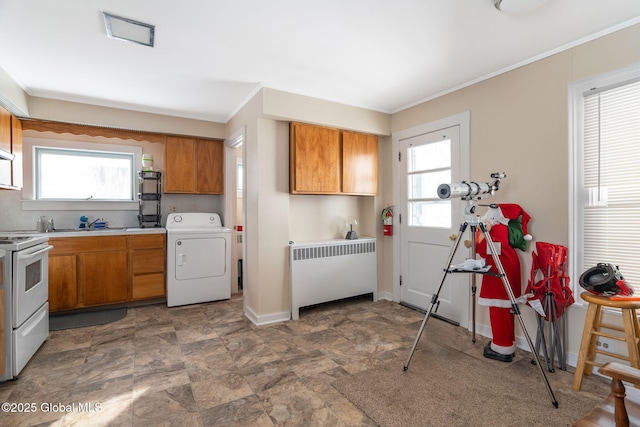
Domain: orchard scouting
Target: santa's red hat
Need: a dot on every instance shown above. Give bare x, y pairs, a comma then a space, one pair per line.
513, 211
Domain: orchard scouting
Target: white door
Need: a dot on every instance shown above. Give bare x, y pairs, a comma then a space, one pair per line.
200, 258
429, 224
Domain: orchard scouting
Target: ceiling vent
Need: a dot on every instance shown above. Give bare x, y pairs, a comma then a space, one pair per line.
129, 30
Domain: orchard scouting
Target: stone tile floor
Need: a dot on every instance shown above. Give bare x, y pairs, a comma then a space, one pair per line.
208, 365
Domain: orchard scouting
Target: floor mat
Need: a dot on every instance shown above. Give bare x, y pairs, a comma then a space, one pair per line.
58, 322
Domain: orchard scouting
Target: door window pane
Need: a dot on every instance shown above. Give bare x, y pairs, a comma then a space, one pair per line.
425, 184
428, 166
430, 213
436, 155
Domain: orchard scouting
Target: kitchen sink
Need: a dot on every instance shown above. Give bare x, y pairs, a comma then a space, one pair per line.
63, 230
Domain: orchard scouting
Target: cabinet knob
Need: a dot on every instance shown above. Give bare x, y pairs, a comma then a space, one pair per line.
453, 237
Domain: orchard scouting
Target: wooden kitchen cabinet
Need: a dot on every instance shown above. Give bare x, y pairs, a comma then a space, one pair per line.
87, 271
314, 159
11, 142
102, 277
92, 271
193, 166
359, 163
63, 286
147, 254
330, 161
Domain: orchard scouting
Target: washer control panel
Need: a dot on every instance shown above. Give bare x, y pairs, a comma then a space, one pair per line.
193, 220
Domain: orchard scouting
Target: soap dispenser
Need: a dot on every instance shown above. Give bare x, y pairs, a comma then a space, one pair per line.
41, 225
83, 221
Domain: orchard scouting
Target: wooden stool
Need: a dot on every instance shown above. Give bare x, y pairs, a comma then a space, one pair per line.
593, 329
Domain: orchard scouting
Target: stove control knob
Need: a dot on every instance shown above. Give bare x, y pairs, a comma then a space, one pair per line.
177, 218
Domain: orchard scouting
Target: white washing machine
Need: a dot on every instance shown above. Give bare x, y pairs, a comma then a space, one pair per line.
198, 259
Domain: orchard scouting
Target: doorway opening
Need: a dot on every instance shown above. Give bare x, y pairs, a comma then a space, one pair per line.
235, 203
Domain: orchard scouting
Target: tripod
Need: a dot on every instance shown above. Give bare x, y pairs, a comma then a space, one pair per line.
473, 222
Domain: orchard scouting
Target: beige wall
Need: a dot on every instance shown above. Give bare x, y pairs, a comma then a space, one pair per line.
520, 125
42, 108
273, 216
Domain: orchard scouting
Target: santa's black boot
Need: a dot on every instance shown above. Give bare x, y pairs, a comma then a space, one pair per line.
490, 353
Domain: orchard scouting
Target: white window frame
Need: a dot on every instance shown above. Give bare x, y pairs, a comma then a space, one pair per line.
576, 136
28, 191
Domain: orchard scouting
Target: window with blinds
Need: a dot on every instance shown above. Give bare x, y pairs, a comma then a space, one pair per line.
608, 210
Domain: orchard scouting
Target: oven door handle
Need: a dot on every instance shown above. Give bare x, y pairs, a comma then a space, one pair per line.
35, 254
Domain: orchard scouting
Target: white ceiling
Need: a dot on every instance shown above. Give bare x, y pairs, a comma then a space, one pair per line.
211, 56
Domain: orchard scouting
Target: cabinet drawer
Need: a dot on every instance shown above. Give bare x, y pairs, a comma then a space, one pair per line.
146, 241
147, 261
88, 244
148, 286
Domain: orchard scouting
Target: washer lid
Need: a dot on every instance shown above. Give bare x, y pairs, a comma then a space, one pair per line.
193, 220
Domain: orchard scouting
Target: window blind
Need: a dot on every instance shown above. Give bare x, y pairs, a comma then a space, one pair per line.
611, 179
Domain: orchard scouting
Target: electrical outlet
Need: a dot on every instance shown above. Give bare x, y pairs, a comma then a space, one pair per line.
173, 209
606, 344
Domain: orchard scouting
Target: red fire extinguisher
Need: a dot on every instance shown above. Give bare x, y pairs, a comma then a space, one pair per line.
387, 220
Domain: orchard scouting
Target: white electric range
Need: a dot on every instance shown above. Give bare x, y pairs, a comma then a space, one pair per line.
26, 294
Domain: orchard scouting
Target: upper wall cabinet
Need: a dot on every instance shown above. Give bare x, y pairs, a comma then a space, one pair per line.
11, 144
330, 161
193, 166
314, 159
359, 164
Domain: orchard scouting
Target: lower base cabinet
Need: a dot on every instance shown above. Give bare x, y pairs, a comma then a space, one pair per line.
147, 260
93, 271
63, 285
103, 277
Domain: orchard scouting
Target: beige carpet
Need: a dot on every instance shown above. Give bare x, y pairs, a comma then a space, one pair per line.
447, 387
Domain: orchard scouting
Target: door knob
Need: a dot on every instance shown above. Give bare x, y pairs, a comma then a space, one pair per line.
453, 237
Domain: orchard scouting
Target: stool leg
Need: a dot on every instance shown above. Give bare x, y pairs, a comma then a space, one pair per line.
636, 329
593, 311
631, 336
593, 341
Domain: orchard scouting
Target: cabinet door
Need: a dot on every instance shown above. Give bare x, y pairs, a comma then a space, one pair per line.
209, 169
179, 165
359, 163
5, 144
16, 150
315, 159
103, 277
63, 287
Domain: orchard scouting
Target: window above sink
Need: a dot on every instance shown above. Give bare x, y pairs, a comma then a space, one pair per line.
112, 178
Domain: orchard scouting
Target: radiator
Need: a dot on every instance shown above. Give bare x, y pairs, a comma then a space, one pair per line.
331, 270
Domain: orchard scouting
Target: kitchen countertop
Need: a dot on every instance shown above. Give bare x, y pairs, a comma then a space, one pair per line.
117, 231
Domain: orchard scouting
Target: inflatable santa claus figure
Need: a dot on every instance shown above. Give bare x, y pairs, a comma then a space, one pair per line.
507, 226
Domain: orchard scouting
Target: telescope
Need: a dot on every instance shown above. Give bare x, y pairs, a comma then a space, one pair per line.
471, 190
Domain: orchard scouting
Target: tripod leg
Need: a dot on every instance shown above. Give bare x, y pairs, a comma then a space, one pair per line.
473, 284
541, 339
516, 309
434, 297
